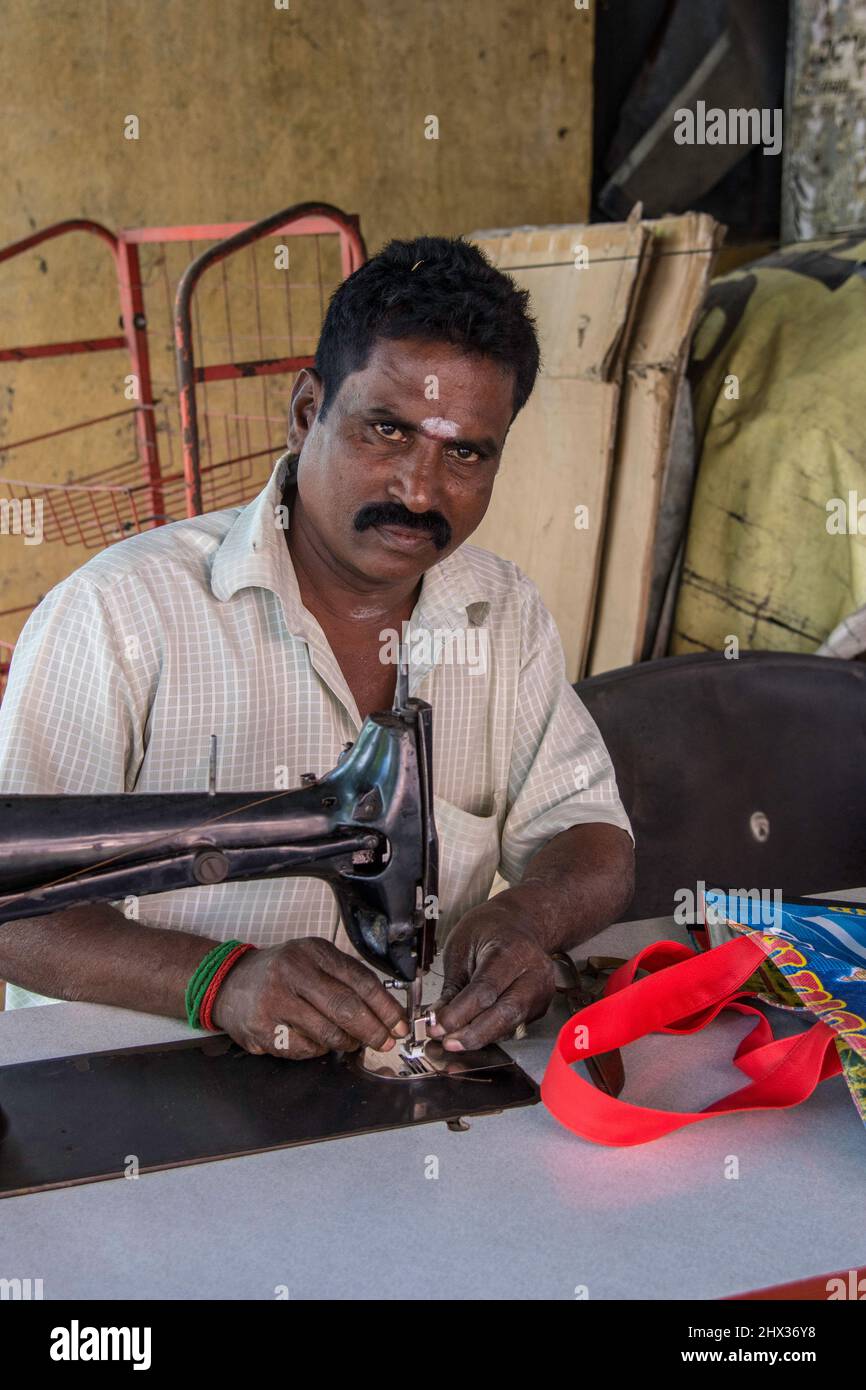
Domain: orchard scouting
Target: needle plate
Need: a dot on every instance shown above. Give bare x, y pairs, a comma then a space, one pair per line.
78, 1119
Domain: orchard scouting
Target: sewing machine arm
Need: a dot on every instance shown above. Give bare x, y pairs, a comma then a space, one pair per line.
366, 828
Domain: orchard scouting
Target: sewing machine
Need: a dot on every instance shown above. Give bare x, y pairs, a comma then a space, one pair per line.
367, 828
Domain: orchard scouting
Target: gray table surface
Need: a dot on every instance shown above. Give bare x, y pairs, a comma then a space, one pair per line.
521, 1208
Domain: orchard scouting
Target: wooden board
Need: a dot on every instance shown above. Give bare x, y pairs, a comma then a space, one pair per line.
583, 315
635, 492
559, 452
679, 264
557, 459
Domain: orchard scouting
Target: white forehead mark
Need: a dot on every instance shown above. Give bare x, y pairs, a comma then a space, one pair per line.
442, 429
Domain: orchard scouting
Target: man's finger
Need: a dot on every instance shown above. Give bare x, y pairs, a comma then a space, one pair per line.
299, 1047
449, 991
343, 1006
371, 990
309, 1023
498, 1021
490, 981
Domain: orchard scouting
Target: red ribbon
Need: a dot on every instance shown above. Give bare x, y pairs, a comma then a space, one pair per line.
683, 992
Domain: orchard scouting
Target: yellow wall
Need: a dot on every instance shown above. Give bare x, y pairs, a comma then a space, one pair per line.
245, 108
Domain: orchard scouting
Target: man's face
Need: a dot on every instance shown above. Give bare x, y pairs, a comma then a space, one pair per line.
413, 441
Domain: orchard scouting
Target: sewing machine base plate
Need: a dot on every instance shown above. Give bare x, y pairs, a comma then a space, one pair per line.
81, 1119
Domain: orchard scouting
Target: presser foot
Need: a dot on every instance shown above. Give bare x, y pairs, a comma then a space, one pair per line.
409, 1058
419, 1056
405, 1063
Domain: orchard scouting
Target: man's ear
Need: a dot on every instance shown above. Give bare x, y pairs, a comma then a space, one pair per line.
307, 394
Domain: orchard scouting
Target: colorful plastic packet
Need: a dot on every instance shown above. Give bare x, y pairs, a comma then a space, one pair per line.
816, 960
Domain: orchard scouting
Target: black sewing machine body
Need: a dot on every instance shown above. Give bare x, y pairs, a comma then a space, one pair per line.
367, 828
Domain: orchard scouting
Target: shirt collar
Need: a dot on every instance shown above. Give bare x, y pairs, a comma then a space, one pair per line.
254, 553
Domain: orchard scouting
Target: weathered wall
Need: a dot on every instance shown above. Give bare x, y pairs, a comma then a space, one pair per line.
244, 108
824, 181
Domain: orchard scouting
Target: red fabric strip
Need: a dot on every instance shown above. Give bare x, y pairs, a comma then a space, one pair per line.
685, 992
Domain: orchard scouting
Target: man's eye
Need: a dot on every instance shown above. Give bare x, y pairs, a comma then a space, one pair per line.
467, 455
395, 432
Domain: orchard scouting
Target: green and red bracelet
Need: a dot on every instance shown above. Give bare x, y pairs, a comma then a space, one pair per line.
204, 985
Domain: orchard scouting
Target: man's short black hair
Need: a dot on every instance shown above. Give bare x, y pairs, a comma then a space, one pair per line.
440, 288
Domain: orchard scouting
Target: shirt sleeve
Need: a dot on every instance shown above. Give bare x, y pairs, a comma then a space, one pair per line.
560, 773
68, 723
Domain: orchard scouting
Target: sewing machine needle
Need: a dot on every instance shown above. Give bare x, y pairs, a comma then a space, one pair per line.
212, 762
413, 1006
401, 693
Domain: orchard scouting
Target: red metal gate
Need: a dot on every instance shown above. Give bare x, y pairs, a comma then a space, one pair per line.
205, 437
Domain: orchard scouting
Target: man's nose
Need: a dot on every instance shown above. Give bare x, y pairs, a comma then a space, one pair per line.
415, 482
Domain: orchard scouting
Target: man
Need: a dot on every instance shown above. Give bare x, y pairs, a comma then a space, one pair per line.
273, 636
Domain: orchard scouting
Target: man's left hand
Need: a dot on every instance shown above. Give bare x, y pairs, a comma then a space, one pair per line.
497, 976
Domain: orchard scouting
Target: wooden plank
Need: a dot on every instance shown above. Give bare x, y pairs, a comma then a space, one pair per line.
583, 315
635, 492
558, 459
680, 263
559, 451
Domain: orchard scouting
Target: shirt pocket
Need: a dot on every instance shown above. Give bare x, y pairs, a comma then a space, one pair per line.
469, 849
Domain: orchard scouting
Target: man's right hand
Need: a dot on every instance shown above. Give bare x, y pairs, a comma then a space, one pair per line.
305, 998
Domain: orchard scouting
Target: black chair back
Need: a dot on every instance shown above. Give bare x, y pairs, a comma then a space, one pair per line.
747, 773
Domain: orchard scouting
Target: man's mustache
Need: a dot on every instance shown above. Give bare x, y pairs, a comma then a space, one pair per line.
389, 514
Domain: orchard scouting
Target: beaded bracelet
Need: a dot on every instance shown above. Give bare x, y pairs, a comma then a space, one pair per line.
213, 989
204, 975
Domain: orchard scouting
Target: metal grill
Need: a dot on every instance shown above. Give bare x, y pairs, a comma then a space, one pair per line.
212, 320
